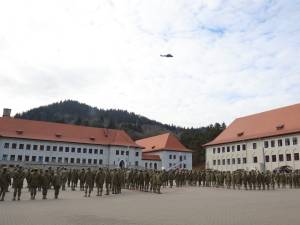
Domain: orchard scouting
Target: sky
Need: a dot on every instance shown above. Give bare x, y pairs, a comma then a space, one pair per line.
231, 58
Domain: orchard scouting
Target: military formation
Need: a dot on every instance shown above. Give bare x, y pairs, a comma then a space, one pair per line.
112, 181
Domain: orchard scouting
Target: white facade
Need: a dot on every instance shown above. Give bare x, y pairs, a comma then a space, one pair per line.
259, 154
175, 159
28, 152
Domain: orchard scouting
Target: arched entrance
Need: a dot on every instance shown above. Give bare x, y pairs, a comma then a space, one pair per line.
122, 164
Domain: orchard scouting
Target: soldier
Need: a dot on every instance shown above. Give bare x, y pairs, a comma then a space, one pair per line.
89, 182
74, 179
18, 179
107, 181
4, 182
64, 178
99, 179
81, 179
46, 180
33, 183
56, 182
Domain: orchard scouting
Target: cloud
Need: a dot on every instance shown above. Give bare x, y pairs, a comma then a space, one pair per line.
232, 58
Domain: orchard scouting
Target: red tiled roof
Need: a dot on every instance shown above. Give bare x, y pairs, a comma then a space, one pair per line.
163, 142
47, 131
275, 122
146, 156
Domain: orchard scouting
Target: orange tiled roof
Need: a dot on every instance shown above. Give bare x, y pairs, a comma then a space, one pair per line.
275, 122
47, 131
146, 156
163, 142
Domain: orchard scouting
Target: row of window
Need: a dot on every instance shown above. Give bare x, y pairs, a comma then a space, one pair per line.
180, 157
267, 144
127, 153
273, 158
180, 165
47, 159
150, 165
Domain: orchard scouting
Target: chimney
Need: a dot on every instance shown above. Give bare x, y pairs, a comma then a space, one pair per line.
6, 112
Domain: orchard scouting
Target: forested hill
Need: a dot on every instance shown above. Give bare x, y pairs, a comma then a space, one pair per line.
73, 112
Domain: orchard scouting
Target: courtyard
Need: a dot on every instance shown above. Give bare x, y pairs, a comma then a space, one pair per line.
177, 206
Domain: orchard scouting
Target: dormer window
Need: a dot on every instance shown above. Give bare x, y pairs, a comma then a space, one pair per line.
92, 138
153, 147
280, 126
19, 132
58, 135
240, 134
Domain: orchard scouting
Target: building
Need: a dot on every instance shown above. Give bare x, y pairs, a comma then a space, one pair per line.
167, 148
27, 142
263, 141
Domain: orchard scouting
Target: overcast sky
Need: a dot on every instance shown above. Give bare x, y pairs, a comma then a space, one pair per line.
231, 58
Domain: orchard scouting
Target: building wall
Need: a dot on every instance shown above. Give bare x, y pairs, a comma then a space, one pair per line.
63, 153
285, 155
174, 159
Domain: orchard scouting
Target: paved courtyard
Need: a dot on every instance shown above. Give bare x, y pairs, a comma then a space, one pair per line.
177, 206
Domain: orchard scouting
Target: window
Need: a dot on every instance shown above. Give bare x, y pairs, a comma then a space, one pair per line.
47, 159
267, 158
170, 164
136, 154
21, 146
4, 157
280, 157
273, 158
127, 152
170, 156
180, 158
214, 150
35, 147
219, 150
28, 147
72, 159
288, 157
54, 148
244, 160
279, 142
12, 158
155, 166
136, 163
100, 161
53, 159
78, 150
73, 149
214, 162
101, 152
233, 161
272, 144
244, 147
117, 152
255, 159
33, 158
48, 148
174, 156
96, 152
84, 150
78, 160
89, 161
95, 161
296, 156
41, 147
146, 165
67, 149
184, 157
219, 161
228, 149
83, 161
238, 148
254, 145
61, 148
238, 160
14, 146
223, 149
6, 145
232, 148
184, 166
90, 151
41, 159
287, 142
59, 159
295, 141
223, 162
266, 144
20, 157
27, 158
228, 161
66, 160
